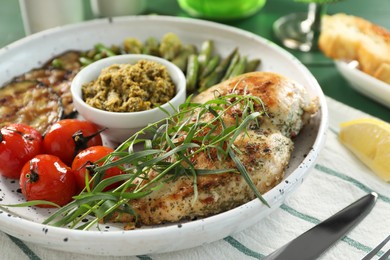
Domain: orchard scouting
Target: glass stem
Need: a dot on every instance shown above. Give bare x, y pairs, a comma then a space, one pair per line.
312, 25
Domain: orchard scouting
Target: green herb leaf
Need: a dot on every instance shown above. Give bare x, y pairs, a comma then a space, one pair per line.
168, 153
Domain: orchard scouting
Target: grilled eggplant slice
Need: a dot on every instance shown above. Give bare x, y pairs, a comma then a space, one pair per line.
30, 102
57, 79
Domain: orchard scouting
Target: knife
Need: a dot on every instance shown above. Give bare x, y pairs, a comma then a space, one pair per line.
315, 241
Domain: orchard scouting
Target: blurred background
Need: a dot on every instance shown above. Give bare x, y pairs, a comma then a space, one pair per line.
260, 23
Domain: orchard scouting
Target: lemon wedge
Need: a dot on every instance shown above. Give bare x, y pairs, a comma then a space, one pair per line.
369, 140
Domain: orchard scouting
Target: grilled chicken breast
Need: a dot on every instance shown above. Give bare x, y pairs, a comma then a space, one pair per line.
265, 150
287, 103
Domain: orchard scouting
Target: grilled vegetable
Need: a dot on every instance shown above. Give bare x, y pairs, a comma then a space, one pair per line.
181, 59
54, 78
151, 47
31, 103
68, 60
210, 66
170, 46
59, 80
252, 65
192, 73
205, 53
232, 65
18, 144
216, 76
132, 45
104, 50
238, 68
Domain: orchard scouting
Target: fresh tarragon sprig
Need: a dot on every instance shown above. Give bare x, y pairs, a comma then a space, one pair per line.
166, 148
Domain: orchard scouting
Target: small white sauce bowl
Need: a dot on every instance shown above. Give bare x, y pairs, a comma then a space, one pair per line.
121, 125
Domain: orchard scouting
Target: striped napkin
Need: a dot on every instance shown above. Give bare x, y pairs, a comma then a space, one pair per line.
337, 180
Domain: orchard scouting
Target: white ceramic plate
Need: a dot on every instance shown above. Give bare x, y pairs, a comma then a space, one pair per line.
33, 51
365, 84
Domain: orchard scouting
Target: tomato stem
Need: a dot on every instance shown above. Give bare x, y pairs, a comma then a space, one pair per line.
33, 176
81, 141
91, 168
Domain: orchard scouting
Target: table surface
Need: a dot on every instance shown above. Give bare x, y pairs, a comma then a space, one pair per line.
333, 85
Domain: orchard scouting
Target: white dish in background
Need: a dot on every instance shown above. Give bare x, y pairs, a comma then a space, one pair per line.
110, 8
364, 83
57, 12
35, 50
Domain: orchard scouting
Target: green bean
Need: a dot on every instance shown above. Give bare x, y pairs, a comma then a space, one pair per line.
203, 69
98, 56
57, 63
85, 61
252, 65
181, 60
216, 76
91, 53
232, 65
192, 72
205, 53
104, 50
210, 66
239, 68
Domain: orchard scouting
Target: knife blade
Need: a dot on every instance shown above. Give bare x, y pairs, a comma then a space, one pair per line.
318, 239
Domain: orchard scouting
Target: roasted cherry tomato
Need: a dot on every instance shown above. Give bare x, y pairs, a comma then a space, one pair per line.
18, 144
68, 137
46, 177
85, 159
